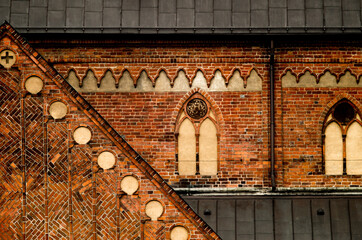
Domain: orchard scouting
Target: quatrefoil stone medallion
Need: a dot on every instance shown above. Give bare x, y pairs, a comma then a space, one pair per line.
7, 58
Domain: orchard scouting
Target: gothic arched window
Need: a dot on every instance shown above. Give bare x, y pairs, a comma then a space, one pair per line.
342, 140
197, 138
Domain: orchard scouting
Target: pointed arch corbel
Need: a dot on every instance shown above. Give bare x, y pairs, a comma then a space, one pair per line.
235, 69
245, 79
213, 76
195, 74
325, 71
345, 72
85, 75
158, 75
307, 69
104, 74
120, 75
80, 81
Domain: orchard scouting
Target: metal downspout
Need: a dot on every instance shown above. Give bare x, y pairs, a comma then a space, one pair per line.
272, 123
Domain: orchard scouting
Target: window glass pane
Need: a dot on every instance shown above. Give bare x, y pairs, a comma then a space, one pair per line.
333, 150
187, 148
208, 148
354, 149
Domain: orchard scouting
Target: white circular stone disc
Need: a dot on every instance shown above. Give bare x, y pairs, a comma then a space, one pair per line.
154, 209
58, 110
179, 233
106, 160
129, 185
34, 85
82, 135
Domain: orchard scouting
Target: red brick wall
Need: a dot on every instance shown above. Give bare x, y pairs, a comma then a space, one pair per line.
147, 119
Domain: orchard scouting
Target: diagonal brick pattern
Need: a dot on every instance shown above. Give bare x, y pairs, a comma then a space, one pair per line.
106, 205
82, 192
34, 160
10, 164
130, 220
58, 199
154, 230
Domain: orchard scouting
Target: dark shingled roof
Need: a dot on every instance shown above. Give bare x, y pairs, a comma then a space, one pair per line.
184, 16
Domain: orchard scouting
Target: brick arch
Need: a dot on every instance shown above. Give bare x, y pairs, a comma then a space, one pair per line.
329, 105
216, 109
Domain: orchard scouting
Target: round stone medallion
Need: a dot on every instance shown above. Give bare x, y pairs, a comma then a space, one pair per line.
196, 108
154, 209
82, 135
58, 110
106, 160
179, 233
7, 58
34, 85
129, 185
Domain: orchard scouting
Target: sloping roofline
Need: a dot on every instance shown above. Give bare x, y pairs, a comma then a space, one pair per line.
7, 30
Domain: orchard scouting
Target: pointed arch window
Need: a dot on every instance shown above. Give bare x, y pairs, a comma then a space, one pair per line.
197, 137
342, 140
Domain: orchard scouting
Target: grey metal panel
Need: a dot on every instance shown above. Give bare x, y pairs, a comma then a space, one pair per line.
193, 204
314, 17
241, 6
295, 4
38, 3
56, 19
351, 18
111, 17
302, 225
340, 219
185, 4
167, 20
264, 219
112, 3
4, 3
226, 219
351, 5
20, 7
314, 3
93, 19
130, 18
94, 5
204, 19
38, 16
185, 18
130, 5
278, 3
19, 20
245, 218
75, 3
204, 5
148, 17
332, 3
321, 222
283, 220
259, 18
259, 4
211, 206
74, 17
333, 16
241, 19
296, 18
222, 5
56, 5
149, 3
222, 19
278, 17
167, 6
4, 14
355, 209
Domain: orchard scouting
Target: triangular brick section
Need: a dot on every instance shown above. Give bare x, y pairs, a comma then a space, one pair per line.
73, 197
